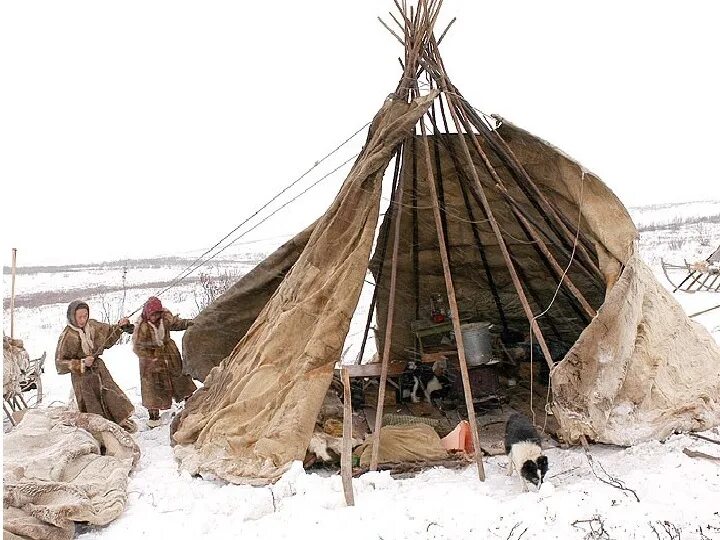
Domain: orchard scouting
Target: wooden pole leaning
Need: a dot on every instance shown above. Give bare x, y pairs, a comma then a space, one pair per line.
479, 191
561, 274
346, 457
397, 218
477, 188
452, 300
526, 183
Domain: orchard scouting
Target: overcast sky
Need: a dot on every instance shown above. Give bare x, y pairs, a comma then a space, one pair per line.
135, 128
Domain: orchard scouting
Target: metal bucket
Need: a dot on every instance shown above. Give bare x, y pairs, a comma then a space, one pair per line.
478, 346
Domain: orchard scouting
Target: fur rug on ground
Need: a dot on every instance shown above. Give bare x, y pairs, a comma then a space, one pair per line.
61, 467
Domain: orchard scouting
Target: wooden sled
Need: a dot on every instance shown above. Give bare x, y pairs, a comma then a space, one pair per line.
699, 276
14, 403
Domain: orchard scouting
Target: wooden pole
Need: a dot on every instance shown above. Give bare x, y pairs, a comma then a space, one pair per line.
471, 217
683, 281
700, 287
534, 294
476, 187
452, 300
517, 208
473, 118
383, 250
346, 457
713, 282
388, 325
704, 311
558, 269
536, 197
435, 68
700, 274
416, 233
12, 295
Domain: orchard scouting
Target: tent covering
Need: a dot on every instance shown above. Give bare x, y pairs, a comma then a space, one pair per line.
257, 410
628, 365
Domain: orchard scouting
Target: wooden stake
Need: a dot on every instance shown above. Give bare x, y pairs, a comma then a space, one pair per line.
12, 295
388, 326
454, 313
346, 457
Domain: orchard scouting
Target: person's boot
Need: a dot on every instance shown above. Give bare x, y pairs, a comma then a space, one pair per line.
129, 425
154, 420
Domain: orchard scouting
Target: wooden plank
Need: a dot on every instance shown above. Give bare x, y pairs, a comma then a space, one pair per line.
375, 369
346, 457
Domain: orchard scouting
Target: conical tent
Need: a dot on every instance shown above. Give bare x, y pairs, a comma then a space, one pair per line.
499, 221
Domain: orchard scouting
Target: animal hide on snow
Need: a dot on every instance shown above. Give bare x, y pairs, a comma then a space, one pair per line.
61, 467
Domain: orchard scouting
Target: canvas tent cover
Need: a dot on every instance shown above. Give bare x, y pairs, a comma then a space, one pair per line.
257, 410
639, 370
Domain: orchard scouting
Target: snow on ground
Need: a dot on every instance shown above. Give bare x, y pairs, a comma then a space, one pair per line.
109, 275
660, 214
437, 503
679, 495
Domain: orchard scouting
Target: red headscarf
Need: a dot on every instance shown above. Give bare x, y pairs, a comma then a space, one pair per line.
152, 305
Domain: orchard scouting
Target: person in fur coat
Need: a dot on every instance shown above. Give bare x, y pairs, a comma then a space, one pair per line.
78, 353
161, 376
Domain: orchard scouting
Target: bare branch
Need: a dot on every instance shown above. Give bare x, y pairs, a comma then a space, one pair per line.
693, 453
708, 439
391, 31
439, 41
597, 528
610, 480
673, 533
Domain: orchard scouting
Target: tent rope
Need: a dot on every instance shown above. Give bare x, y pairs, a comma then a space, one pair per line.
552, 301
201, 260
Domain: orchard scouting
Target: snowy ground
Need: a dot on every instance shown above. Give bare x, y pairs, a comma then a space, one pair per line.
437, 503
679, 496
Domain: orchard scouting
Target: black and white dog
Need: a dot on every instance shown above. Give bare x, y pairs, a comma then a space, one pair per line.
430, 383
522, 445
